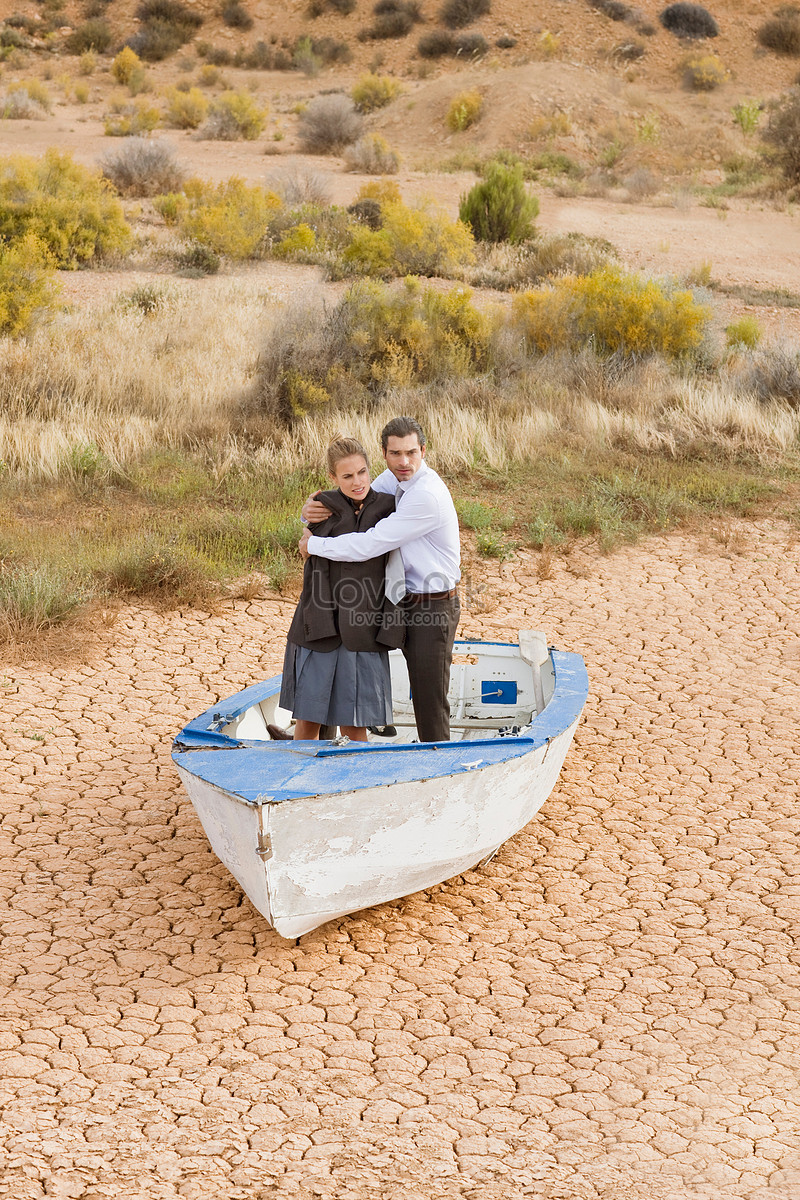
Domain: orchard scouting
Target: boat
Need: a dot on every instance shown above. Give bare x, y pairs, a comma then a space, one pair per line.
313, 830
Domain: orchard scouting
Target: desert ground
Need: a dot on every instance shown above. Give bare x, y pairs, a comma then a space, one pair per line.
609, 1009
606, 1011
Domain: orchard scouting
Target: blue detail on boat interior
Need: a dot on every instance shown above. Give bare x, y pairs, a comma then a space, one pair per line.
261, 771
499, 691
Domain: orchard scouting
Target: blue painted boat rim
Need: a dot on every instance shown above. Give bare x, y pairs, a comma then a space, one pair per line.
322, 769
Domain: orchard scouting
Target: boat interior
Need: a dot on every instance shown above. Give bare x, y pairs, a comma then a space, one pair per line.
496, 690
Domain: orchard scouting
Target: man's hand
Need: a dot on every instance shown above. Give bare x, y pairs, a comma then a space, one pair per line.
313, 512
303, 544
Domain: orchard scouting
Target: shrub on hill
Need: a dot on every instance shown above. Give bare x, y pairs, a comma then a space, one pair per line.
344, 7
28, 285
166, 25
436, 44
782, 32
470, 45
143, 167
614, 312
329, 124
689, 21
68, 207
236, 15
94, 34
782, 134
393, 19
704, 72
374, 91
465, 109
498, 208
455, 14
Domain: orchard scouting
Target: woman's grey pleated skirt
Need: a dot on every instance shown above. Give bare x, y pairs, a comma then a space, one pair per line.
343, 687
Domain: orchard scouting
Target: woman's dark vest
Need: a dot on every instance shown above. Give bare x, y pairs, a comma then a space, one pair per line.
343, 603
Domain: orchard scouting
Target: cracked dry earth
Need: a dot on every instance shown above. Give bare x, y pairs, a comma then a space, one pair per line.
610, 1009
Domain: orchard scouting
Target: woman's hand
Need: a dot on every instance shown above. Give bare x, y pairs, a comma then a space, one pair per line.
303, 545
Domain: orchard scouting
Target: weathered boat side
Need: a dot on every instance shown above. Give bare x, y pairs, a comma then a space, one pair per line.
344, 828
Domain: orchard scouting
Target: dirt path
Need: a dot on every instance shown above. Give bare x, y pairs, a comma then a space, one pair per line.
608, 1010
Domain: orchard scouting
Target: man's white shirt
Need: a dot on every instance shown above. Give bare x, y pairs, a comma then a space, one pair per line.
424, 528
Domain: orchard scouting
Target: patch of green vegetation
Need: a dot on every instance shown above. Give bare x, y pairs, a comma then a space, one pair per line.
620, 499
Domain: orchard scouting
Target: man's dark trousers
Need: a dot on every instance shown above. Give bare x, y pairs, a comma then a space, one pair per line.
430, 631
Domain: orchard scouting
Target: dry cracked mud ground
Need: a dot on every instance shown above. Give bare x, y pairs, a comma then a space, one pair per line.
610, 1010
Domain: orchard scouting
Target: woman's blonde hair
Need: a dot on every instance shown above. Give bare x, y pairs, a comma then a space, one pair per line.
343, 447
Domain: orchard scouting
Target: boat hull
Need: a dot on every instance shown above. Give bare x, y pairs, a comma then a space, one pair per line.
324, 856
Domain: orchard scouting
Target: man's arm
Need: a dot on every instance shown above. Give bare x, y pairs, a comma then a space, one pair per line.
420, 515
312, 512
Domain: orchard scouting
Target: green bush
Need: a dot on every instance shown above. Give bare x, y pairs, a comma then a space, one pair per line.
28, 286
782, 134
228, 218
33, 599
234, 116
499, 209
67, 206
613, 312
374, 91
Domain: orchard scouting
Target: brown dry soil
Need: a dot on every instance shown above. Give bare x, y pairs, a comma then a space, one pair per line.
609, 1010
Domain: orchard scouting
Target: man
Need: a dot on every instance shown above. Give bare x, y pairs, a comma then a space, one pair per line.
424, 527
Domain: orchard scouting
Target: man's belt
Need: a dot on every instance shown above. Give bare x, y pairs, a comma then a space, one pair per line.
418, 597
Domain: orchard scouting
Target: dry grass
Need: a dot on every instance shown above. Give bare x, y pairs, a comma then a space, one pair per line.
126, 383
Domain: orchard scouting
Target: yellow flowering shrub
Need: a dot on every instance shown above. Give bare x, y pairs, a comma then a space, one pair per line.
186, 110
610, 311
126, 64
229, 218
68, 207
28, 284
413, 241
300, 239
465, 109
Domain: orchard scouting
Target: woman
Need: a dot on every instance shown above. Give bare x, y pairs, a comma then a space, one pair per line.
336, 667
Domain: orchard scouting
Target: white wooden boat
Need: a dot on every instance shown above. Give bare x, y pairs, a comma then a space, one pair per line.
315, 830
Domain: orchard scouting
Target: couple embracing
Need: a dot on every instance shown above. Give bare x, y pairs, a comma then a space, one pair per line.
382, 569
